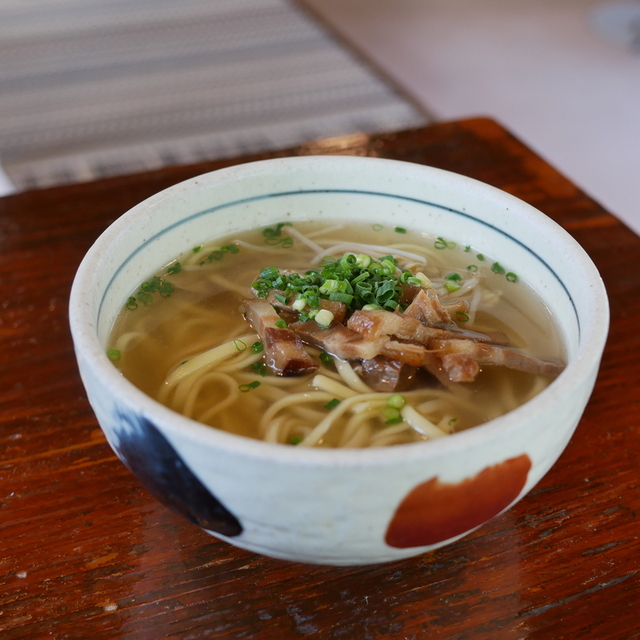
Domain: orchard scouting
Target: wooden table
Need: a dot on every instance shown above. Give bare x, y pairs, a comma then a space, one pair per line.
87, 553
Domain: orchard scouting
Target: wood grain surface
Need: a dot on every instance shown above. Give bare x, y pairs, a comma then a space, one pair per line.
87, 553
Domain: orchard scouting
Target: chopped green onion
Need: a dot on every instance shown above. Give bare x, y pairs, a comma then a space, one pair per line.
355, 280
275, 231
280, 323
388, 265
390, 412
400, 230
196, 249
240, 345
269, 272
363, 260
260, 368
324, 317
329, 286
467, 249
480, 257
173, 268
257, 347
299, 304
377, 227
131, 305
145, 298
496, 267
332, 404
450, 286
113, 355
341, 297
424, 281
511, 277
442, 244
244, 388
453, 276
461, 316
273, 235
295, 440
326, 359
391, 415
396, 401
472, 267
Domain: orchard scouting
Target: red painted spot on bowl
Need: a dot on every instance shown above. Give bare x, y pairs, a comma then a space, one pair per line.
434, 512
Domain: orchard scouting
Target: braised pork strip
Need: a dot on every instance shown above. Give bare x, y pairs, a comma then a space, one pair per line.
285, 352
386, 348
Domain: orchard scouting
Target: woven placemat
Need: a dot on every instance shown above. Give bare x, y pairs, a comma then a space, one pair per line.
92, 88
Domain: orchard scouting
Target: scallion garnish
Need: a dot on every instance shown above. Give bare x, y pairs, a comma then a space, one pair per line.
356, 280
400, 230
396, 401
324, 317
496, 267
274, 236
257, 347
332, 404
391, 415
113, 355
511, 277
145, 294
280, 323
244, 388
442, 244
173, 268
326, 359
240, 345
260, 368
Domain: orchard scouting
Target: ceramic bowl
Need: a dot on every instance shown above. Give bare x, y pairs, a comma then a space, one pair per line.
337, 507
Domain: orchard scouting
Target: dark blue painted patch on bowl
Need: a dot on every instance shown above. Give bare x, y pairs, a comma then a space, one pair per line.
159, 468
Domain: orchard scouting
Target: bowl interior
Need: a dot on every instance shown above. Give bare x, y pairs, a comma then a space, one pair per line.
368, 190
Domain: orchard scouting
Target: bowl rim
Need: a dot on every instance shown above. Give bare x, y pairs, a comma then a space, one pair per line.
580, 367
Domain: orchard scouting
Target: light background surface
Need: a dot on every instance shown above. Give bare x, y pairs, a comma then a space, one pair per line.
93, 88
563, 75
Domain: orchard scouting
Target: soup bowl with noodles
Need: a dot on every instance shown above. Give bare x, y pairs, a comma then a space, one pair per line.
337, 360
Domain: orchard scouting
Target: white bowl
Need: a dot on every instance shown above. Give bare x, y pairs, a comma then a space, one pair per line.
338, 506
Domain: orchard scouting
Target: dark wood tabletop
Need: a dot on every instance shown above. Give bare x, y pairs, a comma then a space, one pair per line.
85, 552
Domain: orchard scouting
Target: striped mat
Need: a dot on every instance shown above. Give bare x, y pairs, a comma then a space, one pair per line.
94, 88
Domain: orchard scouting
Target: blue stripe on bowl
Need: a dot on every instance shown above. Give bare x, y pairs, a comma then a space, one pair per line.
377, 194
